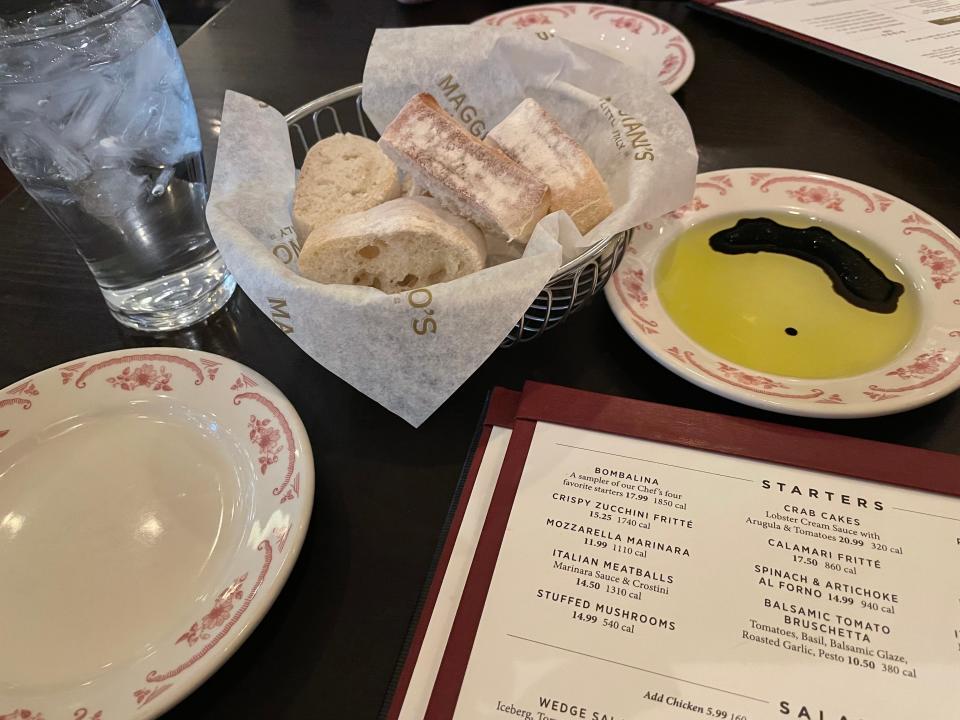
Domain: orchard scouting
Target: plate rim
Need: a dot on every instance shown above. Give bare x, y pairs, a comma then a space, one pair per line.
672, 87
786, 406
272, 586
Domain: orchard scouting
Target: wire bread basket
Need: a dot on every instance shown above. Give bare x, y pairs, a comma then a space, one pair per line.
570, 288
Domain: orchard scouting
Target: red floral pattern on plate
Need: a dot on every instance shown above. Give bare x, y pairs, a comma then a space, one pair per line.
212, 367
633, 25
677, 48
882, 202
267, 439
928, 368
737, 377
24, 388
146, 375
818, 195
819, 192
218, 615
633, 286
287, 434
156, 677
924, 365
22, 714
293, 492
632, 20
84, 714
744, 378
942, 267
152, 357
531, 19
646, 326
915, 219
692, 206
513, 15
670, 63
242, 382
67, 371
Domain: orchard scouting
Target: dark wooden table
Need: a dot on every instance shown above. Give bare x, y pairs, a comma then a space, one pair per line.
329, 646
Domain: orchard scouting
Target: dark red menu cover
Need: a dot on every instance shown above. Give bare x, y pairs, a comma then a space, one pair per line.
865, 34
500, 412
821, 572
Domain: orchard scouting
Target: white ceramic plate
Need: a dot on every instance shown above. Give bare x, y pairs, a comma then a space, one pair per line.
627, 35
152, 504
926, 251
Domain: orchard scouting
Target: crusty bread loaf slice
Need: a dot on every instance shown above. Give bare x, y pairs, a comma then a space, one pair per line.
401, 245
472, 179
530, 137
341, 174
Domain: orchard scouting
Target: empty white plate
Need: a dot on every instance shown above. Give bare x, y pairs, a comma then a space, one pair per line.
152, 504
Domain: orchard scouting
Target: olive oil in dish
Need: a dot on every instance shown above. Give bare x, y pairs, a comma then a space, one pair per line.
820, 303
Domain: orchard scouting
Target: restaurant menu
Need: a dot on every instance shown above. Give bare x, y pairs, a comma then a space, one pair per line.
638, 561
916, 38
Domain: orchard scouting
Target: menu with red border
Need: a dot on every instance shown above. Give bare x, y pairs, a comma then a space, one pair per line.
915, 40
643, 561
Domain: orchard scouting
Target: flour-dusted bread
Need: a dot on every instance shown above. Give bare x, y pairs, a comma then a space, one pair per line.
472, 179
401, 245
530, 137
341, 174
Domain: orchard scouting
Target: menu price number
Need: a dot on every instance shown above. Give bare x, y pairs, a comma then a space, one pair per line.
844, 540
585, 617
723, 714
636, 496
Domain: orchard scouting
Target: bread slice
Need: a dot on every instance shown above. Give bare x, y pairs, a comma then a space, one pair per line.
530, 137
401, 245
470, 178
341, 174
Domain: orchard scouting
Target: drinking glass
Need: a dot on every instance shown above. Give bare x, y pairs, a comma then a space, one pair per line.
98, 124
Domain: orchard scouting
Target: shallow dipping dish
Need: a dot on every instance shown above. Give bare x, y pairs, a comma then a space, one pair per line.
768, 329
152, 504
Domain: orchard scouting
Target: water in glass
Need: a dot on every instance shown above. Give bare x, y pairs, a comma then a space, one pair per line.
98, 124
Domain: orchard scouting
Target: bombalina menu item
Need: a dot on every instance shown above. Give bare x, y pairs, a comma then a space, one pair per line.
642, 562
